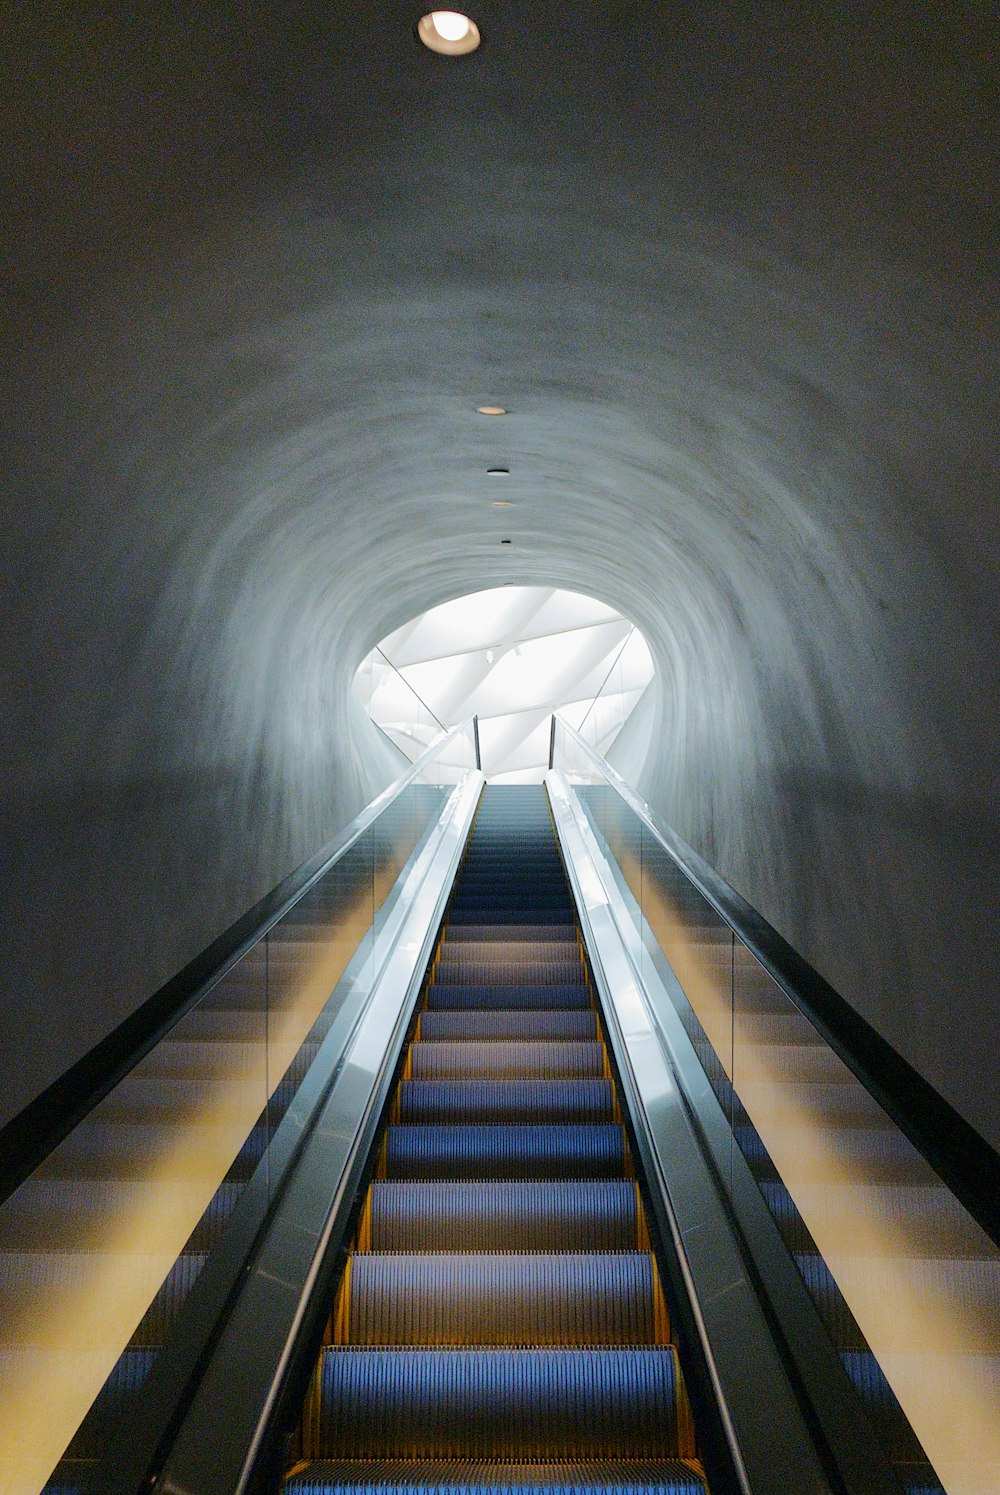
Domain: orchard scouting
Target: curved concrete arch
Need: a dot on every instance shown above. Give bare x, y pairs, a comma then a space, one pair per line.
733, 273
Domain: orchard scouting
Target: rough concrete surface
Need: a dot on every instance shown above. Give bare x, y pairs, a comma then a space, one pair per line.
733, 268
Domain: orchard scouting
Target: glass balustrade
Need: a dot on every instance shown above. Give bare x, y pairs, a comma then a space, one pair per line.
101, 1247
905, 1280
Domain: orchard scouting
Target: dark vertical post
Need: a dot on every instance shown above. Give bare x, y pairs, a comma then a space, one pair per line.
552, 743
475, 735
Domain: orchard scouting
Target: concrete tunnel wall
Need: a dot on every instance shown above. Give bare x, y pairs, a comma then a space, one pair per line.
735, 276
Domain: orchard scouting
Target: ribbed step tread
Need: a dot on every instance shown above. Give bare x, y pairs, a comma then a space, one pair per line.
511, 908
530, 996
99, 1151
509, 1152
866, 1154
560, 1215
489, 933
126, 1379
476, 913
506, 1404
501, 1299
499, 1101
899, 1439
454, 1026
526, 951
499, 1059
55, 1214
929, 1220
460, 972
465, 1477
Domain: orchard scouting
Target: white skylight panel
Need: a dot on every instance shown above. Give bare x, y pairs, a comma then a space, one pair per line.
511, 656
565, 610
473, 622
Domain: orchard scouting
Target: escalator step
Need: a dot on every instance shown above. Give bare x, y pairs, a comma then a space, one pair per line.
496, 1059
501, 1299
522, 1101
100, 1151
525, 952
461, 972
50, 1214
161, 1314
464, 1477
488, 933
585, 1215
479, 913
530, 996
579, 1023
899, 1439
507, 1404
511, 1152
127, 1377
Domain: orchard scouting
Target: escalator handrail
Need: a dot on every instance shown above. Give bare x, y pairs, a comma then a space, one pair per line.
962, 1158
30, 1136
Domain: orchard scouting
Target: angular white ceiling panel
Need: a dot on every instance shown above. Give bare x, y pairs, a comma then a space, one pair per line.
511, 656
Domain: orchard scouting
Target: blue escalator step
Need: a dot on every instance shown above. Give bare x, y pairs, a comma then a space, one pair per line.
529, 996
899, 1439
468, 1477
511, 1152
562, 1023
499, 1101
521, 933
125, 1381
491, 1298
506, 1059
526, 1215
462, 972
506, 1404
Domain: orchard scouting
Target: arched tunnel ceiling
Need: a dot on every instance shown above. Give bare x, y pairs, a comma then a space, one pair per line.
733, 270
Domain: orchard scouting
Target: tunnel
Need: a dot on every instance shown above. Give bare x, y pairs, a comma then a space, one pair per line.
729, 271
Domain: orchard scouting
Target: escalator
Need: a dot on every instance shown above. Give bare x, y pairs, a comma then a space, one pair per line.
433, 1135
500, 1320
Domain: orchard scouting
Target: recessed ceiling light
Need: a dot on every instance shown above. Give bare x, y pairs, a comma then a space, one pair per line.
490, 410
449, 32
500, 503
498, 472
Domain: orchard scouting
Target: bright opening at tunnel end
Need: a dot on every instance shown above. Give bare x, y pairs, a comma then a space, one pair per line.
511, 656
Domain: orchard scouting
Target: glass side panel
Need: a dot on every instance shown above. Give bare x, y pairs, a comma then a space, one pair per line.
904, 1280
91, 1241
102, 1245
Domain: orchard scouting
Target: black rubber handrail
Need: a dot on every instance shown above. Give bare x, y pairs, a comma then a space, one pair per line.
961, 1157
28, 1138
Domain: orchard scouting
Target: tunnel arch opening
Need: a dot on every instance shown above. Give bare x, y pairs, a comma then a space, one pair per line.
511, 656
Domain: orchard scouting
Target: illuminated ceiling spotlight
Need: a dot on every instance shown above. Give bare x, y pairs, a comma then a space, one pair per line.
449, 32
490, 410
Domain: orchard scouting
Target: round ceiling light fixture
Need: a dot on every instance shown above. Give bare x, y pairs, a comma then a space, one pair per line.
498, 472
490, 410
449, 32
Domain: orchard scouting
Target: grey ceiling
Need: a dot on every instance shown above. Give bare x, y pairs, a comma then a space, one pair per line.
733, 269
